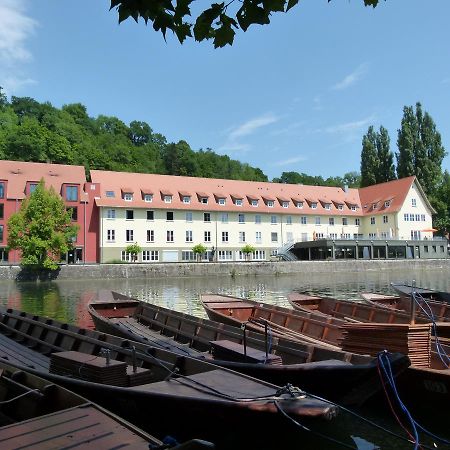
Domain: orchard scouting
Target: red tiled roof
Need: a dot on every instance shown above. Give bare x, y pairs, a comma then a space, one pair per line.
146, 191
127, 190
237, 196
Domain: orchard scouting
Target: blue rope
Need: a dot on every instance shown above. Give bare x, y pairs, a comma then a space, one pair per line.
414, 424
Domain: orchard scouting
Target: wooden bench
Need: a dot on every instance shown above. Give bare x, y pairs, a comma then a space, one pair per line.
232, 351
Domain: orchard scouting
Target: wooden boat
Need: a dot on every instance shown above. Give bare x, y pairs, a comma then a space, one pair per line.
427, 380
353, 311
151, 387
306, 365
404, 290
39, 414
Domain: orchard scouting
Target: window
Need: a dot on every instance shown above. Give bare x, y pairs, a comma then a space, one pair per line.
273, 220
299, 205
385, 219
225, 255
73, 213
258, 237
221, 201
406, 217
333, 235
331, 221
327, 206
374, 205
257, 218
241, 218
417, 217
259, 255
357, 221
344, 221
125, 256
224, 218
148, 198
317, 220
206, 217
314, 205
150, 255
204, 200
189, 236
187, 255
167, 199
274, 237
1, 233
110, 194
33, 187
129, 236
129, 214
413, 202
150, 235
111, 235
289, 220
270, 203
71, 193
285, 204
110, 213
128, 197
150, 215
387, 203
2, 212
207, 236
341, 207
169, 236
422, 217
169, 216
238, 202
188, 216
241, 236
372, 221
254, 203
353, 207
411, 217
425, 248
224, 236
384, 234
2, 190
303, 220
186, 199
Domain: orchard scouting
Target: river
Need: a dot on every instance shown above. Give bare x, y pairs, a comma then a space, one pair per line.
65, 300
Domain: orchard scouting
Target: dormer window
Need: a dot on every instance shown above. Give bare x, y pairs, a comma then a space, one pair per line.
238, 202
254, 203
300, 205
33, 187
340, 207
285, 204
71, 193
313, 205
186, 199
374, 205
110, 194
128, 197
167, 199
387, 203
148, 198
221, 201
2, 189
204, 200
353, 207
327, 206
270, 203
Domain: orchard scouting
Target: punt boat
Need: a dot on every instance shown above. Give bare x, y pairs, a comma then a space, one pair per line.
40, 415
279, 361
426, 380
152, 387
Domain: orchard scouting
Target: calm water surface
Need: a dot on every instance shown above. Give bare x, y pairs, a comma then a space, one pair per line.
66, 301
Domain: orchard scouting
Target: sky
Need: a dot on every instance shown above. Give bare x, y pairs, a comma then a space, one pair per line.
295, 95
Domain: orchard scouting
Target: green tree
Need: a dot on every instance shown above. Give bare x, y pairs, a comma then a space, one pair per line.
42, 229
420, 149
133, 250
248, 250
219, 22
3, 99
199, 250
369, 158
385, 169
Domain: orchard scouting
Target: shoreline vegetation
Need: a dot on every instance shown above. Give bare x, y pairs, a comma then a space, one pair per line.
199, 269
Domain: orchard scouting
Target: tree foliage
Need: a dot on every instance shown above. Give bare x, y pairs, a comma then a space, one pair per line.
134, 250
42, 229
42, 133
218, 22
198, 251
350, 179
248, 250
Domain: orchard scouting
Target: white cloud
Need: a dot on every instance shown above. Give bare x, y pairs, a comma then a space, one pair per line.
351, 78
15, 28
289, 161
350, 127
252, 125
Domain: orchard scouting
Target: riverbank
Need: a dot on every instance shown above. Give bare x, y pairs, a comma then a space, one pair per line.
111, 271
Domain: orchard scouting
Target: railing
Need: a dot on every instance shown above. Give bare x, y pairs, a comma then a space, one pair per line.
285, 253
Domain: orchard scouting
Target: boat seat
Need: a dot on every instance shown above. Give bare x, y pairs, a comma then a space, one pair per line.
327, 362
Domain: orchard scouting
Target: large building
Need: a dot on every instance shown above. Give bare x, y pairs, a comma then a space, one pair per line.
168, 215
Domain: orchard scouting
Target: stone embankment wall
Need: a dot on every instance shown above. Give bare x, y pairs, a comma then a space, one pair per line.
105, 271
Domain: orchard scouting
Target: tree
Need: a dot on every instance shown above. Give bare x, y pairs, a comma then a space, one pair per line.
218, 22
3, 99
134, 250
385, 171
420, 149
369, 158
248, 250
199, 250
42, 229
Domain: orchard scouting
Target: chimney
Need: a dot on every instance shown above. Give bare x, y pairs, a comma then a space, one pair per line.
345, 187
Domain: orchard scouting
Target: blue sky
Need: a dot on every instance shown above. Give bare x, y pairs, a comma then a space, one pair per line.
297, 94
